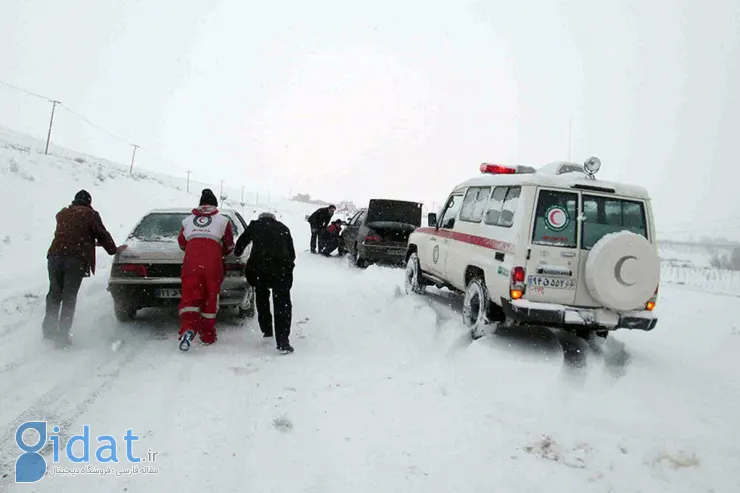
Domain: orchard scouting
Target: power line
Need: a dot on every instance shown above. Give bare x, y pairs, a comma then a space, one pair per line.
74, 113
24, 90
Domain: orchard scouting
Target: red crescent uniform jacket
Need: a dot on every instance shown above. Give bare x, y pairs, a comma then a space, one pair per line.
206, 237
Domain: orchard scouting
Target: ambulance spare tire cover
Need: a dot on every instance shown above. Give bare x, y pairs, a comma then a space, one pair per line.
623, 271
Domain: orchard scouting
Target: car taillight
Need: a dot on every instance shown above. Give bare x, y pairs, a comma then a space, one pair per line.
138, 270
517, 287
373, 239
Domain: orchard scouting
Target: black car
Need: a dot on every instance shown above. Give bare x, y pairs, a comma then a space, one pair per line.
380, 232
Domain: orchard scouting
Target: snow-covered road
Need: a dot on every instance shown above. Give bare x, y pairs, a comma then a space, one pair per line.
386, 393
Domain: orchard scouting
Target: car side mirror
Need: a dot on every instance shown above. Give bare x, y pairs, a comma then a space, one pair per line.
432, 219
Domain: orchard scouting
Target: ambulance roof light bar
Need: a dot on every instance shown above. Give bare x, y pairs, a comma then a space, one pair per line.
497, 169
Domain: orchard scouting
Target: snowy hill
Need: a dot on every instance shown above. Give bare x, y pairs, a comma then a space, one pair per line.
36, 186
384, 393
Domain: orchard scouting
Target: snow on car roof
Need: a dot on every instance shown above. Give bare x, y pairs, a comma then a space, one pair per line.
547, 176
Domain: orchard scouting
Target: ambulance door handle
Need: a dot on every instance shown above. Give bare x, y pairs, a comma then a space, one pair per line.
499, 256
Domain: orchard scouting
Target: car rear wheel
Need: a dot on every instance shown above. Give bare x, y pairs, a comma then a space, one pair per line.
357, 259
125, 312
476, 306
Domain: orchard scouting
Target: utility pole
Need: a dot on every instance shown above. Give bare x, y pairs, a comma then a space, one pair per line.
133, 156
188, 185
51, 122
221, 193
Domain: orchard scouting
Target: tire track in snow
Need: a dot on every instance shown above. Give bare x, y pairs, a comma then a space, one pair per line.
50, 405
65, 402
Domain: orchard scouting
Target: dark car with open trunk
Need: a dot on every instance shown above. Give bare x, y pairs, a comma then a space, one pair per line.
380, 232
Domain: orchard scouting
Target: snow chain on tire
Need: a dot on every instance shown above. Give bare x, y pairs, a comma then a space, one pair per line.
475, 308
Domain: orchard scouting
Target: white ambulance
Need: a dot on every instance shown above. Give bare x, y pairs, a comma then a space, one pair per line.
552, 246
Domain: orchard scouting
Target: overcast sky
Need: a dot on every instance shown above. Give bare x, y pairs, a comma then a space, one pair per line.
402, 99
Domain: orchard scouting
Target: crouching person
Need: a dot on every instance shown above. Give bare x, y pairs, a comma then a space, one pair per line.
270, 268
330, 238
206, 237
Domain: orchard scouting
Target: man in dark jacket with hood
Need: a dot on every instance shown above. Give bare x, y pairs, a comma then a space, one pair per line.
71, 257
270, 267
318, 221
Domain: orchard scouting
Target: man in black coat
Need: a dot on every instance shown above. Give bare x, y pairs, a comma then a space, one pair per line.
270, 267
319, 220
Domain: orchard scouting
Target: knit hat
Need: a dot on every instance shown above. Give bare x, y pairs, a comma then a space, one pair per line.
82, 197
208, 198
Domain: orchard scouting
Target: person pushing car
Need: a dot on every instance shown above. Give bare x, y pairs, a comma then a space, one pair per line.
270, 267
206, 238
70, 259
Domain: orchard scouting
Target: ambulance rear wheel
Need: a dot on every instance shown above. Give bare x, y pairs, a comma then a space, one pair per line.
476, 309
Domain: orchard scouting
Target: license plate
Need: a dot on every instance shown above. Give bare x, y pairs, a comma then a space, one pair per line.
168, 293
552, 282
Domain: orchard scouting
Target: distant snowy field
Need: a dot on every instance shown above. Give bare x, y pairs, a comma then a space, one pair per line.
384, 393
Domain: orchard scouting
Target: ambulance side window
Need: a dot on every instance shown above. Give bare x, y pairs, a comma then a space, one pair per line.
474, 204
495, 205
450, 212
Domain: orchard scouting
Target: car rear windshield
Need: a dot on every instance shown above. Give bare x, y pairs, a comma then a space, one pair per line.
394, 211
557, 212
159, 225
606, 215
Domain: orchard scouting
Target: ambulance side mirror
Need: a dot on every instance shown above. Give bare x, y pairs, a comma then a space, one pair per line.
432, 220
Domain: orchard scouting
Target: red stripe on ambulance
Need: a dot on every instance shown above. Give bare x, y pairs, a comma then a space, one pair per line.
498, 245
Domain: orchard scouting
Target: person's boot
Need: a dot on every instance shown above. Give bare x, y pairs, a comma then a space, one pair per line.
285, 347
49, 333
186, 340
62, 339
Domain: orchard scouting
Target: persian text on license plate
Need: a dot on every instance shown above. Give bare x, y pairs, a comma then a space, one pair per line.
168, 293
552, 282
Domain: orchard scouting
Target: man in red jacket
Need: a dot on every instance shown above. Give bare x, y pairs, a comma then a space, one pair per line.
206, 237
330, 238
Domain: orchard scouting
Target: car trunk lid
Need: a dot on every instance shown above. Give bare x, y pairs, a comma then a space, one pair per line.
152, 251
